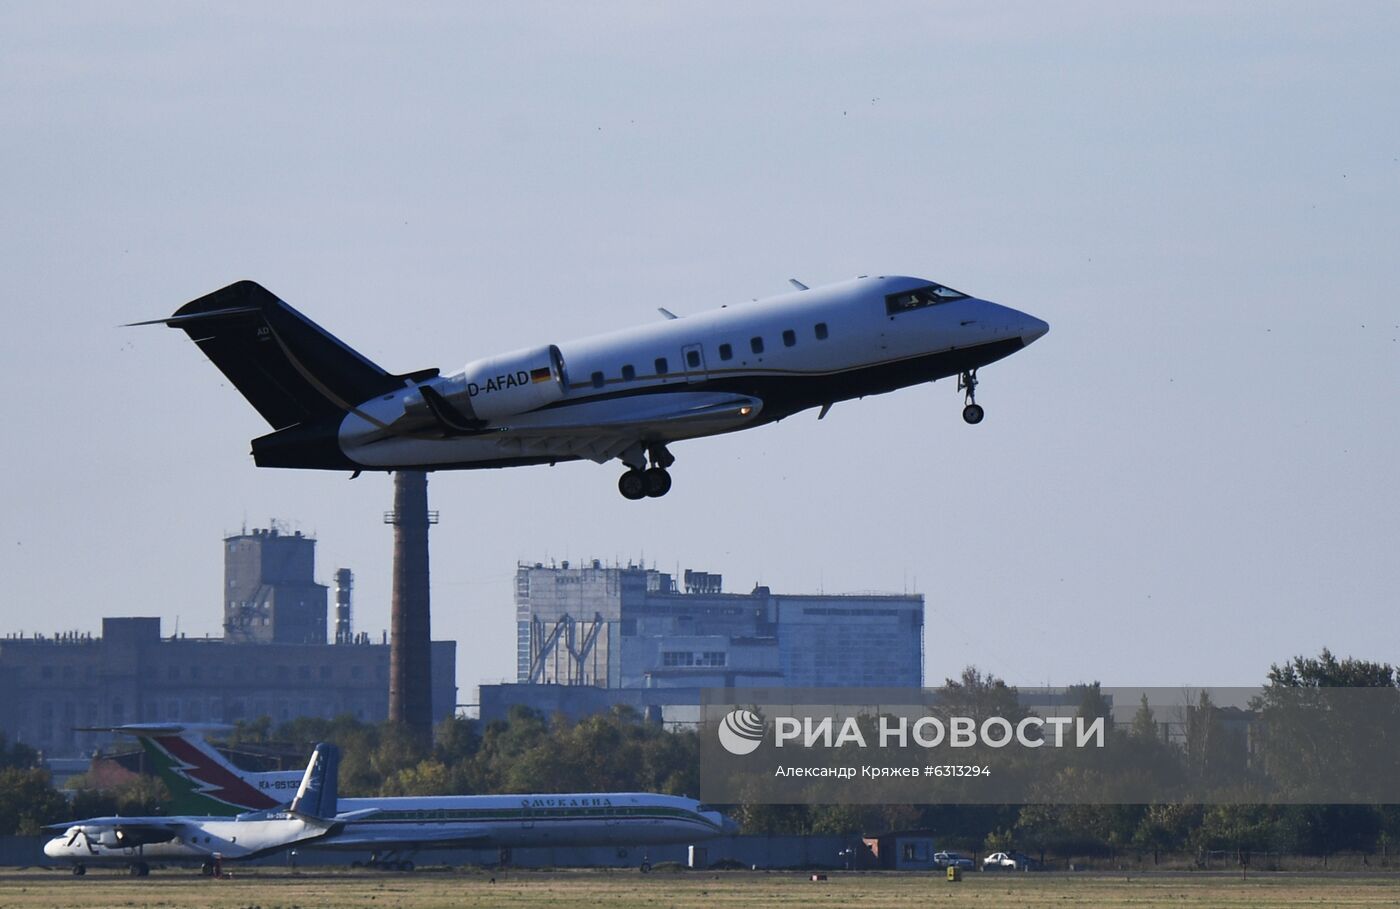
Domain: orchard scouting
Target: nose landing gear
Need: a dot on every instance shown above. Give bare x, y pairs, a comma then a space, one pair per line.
972, 412
641, 482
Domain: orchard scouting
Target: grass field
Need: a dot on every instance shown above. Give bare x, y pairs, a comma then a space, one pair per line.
268, 889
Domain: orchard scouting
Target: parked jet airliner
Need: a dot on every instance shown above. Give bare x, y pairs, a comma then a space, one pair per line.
624, 395
203, 781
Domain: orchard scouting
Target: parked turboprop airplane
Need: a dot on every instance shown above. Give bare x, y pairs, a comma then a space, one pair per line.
132, 841
394, 828
624, 395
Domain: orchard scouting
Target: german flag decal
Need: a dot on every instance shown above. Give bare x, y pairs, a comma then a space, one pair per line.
540, 375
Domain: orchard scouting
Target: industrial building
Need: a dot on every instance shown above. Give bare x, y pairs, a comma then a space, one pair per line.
273, 660
593, 636
270, 590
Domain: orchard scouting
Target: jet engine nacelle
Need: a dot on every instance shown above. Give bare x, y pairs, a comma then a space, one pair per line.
502, 386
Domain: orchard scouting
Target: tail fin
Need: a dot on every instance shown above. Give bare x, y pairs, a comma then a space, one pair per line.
288, 367
200, 779
318, 795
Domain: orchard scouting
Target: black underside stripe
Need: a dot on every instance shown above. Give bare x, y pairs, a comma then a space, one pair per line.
317, 446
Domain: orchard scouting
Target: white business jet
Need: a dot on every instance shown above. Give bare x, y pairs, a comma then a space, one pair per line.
626, 395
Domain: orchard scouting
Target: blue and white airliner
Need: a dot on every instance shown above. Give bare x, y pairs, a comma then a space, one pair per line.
203, 781
626, 395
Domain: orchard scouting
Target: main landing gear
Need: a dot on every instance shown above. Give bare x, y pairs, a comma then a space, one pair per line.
640, 481
391, 860
972, 412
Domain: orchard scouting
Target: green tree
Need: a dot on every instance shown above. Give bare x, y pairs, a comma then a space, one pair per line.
1090, 703
979, 696
16, 754
143, 795
1144, 726
1326, 671
28, 801
1166, 828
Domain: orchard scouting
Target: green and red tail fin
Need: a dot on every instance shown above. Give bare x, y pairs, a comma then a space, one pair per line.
201, 780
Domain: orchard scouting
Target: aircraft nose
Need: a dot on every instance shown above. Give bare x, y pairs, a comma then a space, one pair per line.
1032, 328
54, 847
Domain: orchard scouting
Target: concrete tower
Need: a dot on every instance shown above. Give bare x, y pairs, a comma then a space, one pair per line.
410, 668
270, 592
344, 584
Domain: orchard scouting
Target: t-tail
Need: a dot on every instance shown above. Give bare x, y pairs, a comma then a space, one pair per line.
201, 780
300, 377
317, 797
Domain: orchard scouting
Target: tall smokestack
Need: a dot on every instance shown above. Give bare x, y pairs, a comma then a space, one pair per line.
410, 652
344, 583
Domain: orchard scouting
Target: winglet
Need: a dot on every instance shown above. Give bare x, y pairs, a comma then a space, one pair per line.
798, 284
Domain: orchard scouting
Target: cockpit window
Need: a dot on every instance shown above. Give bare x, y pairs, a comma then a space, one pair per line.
921, 297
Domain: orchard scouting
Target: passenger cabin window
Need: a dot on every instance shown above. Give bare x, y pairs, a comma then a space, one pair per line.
726, 352
692, 359
920, 298
821, 331
629, 372
756, 345
789, 338
597, 380
661, 368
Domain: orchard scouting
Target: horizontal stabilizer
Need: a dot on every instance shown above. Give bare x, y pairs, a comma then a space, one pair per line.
288, 367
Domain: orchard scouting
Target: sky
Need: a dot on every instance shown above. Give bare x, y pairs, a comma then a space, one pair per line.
1191, 477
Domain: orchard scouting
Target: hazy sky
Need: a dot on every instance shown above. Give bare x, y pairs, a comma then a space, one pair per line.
1192, 476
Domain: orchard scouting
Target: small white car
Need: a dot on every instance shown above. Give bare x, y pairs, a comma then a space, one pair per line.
1007, 861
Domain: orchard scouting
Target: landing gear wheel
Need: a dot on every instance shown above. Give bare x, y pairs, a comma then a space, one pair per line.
656, 481
140, 869
207, 869
967, 383
79, 870
646, 867
632, 485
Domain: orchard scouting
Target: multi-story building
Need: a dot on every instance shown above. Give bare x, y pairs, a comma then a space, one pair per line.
131, 674
630, 629
270, 589
273, 660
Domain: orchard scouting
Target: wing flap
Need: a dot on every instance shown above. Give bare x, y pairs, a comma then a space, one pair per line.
603, 430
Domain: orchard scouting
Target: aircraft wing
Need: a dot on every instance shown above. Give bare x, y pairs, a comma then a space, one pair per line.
601, 430
127, 831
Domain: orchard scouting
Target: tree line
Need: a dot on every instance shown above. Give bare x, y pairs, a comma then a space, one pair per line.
619, 751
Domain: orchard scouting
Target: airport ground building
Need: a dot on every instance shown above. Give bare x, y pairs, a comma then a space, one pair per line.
594, 636
273, 660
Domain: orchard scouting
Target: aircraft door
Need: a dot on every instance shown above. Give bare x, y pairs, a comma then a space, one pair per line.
693, 356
